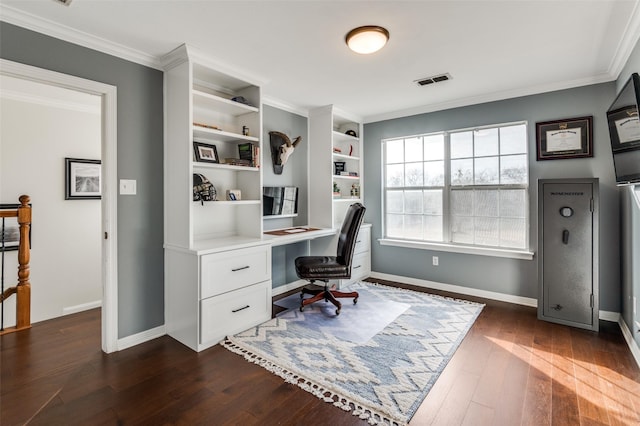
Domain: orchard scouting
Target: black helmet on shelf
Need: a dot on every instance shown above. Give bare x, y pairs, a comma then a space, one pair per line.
203, 190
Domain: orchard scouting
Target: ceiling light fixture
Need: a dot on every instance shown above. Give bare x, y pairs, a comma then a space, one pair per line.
367, 39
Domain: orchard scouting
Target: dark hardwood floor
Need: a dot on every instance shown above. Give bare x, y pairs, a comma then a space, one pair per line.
511, 369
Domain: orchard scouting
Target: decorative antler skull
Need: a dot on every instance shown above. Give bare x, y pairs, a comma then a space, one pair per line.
281, 149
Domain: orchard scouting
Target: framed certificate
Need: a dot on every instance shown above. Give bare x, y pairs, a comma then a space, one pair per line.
624, 129
568, 138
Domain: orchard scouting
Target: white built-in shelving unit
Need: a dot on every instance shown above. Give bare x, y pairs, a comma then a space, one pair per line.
330, 144
217, 266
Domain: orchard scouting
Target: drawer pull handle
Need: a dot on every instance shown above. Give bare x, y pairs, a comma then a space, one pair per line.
358, 241
356, 267
240, 269
240, 309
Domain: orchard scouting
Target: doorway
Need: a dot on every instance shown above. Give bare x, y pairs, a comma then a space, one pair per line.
108, 231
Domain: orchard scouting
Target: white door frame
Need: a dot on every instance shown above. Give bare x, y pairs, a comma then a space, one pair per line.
108, 94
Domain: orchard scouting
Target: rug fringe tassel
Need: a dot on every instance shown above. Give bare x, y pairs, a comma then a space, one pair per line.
365, 413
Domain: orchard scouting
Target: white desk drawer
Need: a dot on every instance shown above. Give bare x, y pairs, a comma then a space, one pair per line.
234, 269
233, 312
361, 267
363, 240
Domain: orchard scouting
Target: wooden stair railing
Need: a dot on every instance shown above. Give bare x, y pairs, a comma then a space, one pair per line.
22, 290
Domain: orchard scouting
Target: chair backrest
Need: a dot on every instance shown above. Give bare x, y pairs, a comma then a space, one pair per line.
349, 234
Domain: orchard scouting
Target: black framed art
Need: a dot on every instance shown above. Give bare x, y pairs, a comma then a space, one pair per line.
568, 138
83, 179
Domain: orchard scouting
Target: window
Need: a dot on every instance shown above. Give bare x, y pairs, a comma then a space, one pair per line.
463, 187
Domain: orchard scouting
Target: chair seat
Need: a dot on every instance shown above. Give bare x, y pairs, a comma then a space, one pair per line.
321, 267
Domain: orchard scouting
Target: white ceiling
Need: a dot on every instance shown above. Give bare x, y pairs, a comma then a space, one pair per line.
492, 49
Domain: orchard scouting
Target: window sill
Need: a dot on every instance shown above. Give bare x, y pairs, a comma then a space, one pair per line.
481, 251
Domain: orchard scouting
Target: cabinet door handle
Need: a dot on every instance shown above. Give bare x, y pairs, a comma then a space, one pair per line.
356, 267
240, 309
240, 269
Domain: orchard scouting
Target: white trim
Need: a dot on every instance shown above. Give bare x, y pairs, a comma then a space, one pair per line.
630, 37
144, 336
108, 94
287, 287
490, 97
81, 308
518, 300
482, 251
502, 297
628, 336
71, 35
285, 106
18, 96
609, 316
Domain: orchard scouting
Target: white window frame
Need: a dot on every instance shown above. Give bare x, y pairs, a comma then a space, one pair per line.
447, 245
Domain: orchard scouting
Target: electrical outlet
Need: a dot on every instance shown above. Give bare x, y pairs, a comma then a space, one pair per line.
436, 262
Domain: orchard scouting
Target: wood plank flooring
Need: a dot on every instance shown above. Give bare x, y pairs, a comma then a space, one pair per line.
511, 369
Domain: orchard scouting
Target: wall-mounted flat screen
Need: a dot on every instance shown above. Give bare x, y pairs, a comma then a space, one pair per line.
624, 132
280, 201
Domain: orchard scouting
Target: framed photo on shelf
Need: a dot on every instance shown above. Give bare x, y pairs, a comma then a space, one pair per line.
205, 152
82, 179
568, 138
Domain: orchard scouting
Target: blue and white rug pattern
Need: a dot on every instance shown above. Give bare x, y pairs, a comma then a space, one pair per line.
381, 376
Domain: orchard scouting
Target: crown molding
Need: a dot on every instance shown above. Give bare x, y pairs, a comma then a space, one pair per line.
53, 29
14, 95
285, 106
628, 42
492, 97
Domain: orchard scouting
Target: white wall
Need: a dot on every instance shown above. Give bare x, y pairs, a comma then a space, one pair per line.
36, 134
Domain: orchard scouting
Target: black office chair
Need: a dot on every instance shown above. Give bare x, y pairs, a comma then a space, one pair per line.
325, 268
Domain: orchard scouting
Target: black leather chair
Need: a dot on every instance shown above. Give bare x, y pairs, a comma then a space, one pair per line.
325, 268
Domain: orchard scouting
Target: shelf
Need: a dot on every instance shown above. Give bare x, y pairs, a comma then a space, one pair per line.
345, 199
345, 157
225, 106
344, 138
228, 203
279, 216
346, 177
221, 135
223, 166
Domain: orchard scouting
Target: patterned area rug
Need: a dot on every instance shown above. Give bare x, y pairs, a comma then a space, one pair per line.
383, 379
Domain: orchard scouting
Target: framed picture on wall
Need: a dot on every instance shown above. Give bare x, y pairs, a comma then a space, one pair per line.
568, 138
82, 179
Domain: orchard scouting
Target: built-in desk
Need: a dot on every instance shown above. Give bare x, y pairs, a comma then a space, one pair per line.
285, 248
296, 234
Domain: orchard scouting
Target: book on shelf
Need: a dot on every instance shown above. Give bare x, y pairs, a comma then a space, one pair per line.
249, 152
237, 162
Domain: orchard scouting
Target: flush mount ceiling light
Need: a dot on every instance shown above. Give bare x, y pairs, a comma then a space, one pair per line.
367, 39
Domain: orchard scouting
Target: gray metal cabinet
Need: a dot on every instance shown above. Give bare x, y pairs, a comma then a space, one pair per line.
568, 251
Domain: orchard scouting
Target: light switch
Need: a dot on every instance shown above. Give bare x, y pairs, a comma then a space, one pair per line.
127, 187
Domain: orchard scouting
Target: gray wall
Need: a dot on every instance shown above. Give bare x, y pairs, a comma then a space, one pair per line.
509, 276
293, 174
140, 138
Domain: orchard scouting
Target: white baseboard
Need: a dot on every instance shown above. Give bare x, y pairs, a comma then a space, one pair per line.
609, 316
518, 300
82, 307
628, 336
145, 336
287, 287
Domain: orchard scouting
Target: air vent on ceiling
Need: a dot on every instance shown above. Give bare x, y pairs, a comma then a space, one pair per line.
64, 2
433, 79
